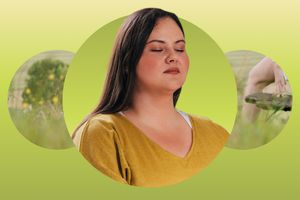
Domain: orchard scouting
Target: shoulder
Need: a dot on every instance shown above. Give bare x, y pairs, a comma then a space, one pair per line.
103, 121
97, 127
209, 128
100, 144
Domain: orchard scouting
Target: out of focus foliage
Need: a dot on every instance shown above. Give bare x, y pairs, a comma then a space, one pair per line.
44, 84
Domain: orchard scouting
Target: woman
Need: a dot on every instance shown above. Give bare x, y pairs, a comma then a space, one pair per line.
136, 135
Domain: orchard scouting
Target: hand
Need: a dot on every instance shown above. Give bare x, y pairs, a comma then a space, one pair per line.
280, 80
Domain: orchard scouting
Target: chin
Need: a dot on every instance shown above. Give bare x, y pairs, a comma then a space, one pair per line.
171, 85
172, 88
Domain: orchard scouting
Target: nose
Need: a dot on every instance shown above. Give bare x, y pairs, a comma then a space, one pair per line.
171, 58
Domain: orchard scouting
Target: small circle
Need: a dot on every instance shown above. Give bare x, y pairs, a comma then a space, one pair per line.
264, 99
35, 99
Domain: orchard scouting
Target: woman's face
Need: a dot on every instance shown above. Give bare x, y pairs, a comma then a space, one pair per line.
164, 63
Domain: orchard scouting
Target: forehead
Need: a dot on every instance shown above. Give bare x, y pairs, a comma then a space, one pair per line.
166, 29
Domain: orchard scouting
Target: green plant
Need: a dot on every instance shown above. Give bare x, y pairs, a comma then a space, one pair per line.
44, 84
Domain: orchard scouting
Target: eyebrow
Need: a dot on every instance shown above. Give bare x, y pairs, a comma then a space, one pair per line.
161, 41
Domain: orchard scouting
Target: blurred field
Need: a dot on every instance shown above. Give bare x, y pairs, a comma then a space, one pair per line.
41, 128
268, 124
35, 100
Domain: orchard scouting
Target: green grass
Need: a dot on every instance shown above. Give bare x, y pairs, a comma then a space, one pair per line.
42, 126
250, 135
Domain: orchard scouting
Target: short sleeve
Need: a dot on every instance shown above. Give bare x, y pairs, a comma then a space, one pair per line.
101, 146
215, 135
220, 131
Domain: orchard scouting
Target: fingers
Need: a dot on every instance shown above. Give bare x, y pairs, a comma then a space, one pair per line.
280, 86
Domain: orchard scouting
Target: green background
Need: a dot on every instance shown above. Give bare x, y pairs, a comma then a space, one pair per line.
31, 172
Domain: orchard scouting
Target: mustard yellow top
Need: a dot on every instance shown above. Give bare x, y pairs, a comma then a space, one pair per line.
120, 150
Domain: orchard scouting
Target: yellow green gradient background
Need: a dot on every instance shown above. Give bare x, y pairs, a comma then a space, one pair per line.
31, 172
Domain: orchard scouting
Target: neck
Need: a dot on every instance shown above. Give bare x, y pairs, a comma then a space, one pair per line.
151, 108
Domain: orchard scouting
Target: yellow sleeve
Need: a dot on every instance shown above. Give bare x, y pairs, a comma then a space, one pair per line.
100, 145
222, 132
214, 129
216, 136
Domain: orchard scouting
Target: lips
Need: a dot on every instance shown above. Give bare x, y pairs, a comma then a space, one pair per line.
172, 70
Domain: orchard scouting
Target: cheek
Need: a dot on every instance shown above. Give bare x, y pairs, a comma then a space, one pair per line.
147, 65
145, 70
186, 62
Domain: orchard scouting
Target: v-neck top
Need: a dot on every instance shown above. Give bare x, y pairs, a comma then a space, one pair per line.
120, 150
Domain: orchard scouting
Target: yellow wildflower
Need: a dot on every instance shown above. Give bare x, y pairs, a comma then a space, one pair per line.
28, 91
41, 102
25, 105
55, 99
51, 77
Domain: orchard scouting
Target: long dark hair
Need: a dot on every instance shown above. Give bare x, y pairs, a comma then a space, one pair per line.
129, 46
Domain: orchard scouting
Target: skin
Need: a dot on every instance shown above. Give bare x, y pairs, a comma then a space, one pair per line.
153, 111
264, 73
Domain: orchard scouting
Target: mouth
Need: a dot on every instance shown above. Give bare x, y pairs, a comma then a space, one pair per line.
172, 70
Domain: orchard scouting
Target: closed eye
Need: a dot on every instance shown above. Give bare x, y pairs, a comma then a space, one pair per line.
179, 50
156, 50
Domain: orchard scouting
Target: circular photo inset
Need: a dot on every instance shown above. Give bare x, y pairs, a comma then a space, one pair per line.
35, 99
142, 132
264, 99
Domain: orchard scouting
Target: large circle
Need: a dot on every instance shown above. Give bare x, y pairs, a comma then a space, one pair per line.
209, 90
